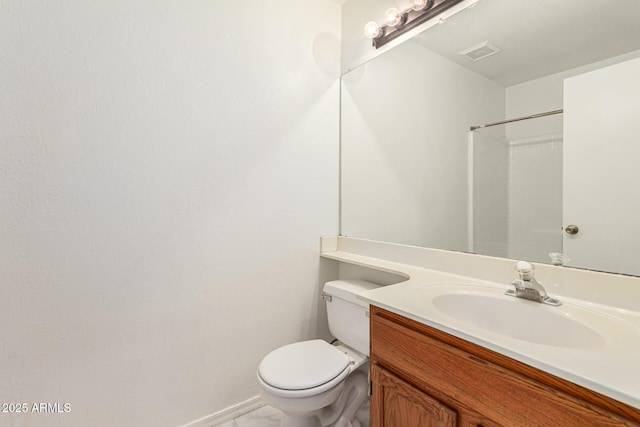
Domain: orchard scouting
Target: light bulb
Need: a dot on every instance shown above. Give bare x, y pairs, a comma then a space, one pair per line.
418, 4
392, 17
372, 30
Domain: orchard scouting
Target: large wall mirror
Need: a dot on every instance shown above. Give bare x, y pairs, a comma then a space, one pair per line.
561, 184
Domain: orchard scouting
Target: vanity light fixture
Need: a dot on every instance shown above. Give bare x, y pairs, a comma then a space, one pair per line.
397, 22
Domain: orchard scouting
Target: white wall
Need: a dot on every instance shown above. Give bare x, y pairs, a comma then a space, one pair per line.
405, 121
166, 169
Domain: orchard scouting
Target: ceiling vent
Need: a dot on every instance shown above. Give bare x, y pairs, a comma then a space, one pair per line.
481, 51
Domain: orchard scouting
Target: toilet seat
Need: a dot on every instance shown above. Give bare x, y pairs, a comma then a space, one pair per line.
303, 369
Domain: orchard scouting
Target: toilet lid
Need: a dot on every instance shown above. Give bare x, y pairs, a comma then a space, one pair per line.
303, 365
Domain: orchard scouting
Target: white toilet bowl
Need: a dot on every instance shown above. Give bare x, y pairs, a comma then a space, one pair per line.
314, 383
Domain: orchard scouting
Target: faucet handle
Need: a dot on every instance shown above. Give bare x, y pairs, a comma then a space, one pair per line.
525, 270
528, 287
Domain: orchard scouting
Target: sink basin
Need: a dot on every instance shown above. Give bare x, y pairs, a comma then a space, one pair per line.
487, 308
517, 320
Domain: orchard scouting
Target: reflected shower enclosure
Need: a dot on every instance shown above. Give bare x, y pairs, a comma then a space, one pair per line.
515, 188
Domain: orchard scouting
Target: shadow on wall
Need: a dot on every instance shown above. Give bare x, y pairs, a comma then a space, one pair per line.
326, 53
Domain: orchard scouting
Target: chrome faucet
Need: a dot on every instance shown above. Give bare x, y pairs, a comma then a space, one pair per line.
528, 287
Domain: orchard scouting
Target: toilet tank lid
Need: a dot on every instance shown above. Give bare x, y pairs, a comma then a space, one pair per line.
348, 289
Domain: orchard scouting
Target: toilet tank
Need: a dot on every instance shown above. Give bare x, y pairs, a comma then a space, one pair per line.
348, 316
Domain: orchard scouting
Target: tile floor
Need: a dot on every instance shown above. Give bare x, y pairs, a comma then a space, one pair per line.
267, 416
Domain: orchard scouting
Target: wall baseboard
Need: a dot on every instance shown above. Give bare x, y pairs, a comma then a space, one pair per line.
228, 413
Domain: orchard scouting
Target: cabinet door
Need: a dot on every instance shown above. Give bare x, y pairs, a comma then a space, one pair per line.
395, 403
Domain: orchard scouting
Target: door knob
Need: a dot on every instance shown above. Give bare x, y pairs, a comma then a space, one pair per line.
572, 229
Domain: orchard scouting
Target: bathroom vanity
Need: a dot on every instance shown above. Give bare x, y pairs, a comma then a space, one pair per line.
424, 377
449, 348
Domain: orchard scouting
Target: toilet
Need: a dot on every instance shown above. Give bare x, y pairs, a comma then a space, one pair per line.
317, 384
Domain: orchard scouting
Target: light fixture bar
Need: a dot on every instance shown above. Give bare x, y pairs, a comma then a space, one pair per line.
410, 19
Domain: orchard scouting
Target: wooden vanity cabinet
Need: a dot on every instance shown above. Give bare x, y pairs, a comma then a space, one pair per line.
423, 377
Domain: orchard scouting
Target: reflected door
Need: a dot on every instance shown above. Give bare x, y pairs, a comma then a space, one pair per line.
600, 169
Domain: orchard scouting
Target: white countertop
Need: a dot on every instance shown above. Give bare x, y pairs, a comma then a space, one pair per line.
612, 370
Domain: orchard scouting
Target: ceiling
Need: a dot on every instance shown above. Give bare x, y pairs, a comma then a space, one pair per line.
537, 38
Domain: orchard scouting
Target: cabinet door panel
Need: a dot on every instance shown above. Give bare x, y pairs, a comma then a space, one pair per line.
398, 404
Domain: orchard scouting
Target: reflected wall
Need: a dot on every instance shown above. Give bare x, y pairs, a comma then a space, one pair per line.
405, 120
